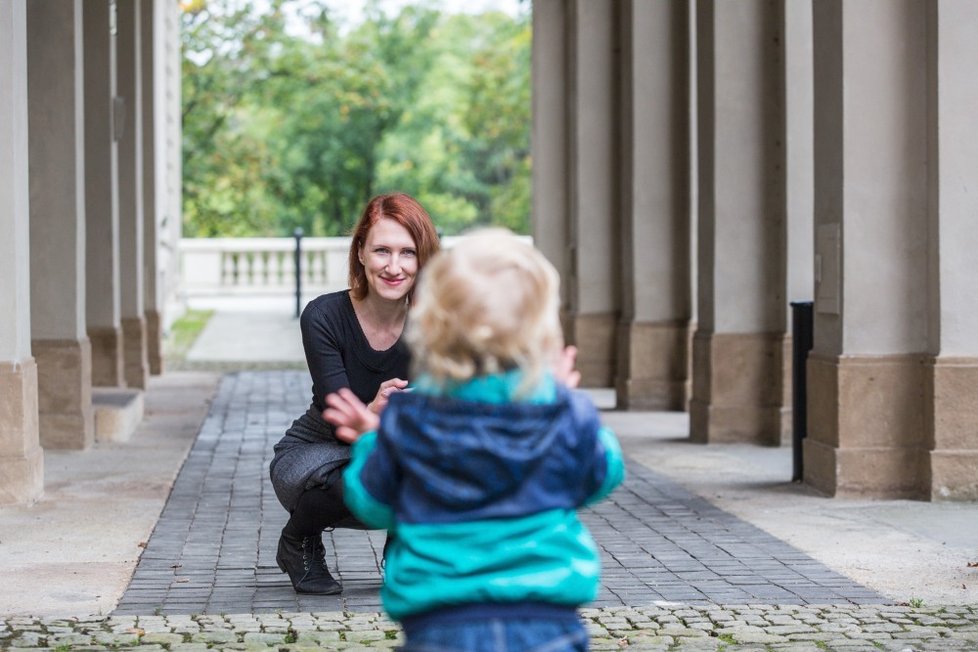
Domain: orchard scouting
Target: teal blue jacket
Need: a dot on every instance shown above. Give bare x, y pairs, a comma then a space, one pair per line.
481, 492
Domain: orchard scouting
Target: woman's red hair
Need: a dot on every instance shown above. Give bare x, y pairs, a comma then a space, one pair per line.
406, 211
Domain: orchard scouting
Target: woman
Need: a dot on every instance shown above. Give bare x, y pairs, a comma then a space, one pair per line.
352, 338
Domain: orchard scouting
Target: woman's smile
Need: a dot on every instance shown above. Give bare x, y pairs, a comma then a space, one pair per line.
390, 260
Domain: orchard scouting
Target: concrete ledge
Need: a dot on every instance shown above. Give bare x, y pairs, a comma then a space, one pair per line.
117, 412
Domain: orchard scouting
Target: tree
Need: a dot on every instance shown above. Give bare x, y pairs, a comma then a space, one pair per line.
287, 127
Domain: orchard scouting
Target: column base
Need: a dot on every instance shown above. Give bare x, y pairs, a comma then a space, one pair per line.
136, 366
107, 357
21, 457
864, 472
951, 417
866, 434
154, 341
64, 387
738, 389
594, 337
653, 359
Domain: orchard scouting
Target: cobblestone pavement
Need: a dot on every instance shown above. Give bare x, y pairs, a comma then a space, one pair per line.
732, 628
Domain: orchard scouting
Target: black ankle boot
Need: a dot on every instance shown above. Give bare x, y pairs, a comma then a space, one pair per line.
304, 559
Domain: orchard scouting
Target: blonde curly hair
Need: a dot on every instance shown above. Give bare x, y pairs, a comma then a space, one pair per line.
487, 305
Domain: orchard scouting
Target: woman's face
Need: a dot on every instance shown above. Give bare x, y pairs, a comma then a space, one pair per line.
390, 260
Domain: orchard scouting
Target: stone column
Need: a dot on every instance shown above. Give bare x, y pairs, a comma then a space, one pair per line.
594, 189
951, 370
551, 227
738, 349
653, 334
152, 274
101, 195
21, 457
798, 162
57, 218
167, 113
797, 70
866, 373
131, 206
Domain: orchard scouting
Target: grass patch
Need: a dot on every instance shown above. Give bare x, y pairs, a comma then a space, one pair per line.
184, 331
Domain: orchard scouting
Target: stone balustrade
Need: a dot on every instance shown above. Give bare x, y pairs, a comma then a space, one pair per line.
257, 266
212, 266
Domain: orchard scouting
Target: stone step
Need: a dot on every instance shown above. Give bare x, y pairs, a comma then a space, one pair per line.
118, 412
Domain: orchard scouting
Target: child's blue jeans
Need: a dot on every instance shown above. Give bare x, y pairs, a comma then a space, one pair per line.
499, 635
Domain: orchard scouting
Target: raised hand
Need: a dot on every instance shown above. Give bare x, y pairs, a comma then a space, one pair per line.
387, 388
350, 416
564, 370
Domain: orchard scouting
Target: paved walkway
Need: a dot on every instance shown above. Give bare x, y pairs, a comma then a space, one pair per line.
679, 572
213, 550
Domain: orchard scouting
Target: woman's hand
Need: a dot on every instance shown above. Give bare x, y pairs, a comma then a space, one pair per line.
387, 388
564, 370
350, 416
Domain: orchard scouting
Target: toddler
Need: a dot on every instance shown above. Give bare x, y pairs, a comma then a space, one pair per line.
478, 472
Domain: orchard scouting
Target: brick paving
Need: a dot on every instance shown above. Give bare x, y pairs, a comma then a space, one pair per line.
678, 573
213, 550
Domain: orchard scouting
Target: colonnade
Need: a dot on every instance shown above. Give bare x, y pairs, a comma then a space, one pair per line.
697, 166
89, 190
700, 165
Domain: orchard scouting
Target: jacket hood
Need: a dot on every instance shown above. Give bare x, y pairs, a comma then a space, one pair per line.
466, 456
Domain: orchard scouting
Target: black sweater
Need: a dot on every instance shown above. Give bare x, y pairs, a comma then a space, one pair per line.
339, 355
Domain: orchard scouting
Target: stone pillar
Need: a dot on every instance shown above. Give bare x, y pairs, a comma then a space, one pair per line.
131, 206
866, 373
798, 162
653, 334
738, 348
101, 195
57, 224
551, 227
169, 155
21, 457
594, 189
951, 369
152, 276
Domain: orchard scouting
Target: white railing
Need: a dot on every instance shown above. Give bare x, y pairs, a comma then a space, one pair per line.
265, 266
213, 266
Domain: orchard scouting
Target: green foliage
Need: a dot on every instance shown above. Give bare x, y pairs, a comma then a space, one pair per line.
285, 127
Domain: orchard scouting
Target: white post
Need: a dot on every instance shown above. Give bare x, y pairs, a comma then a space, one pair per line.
131, 205
653, 334
21, 458
57, 208
101, 195
738, 349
